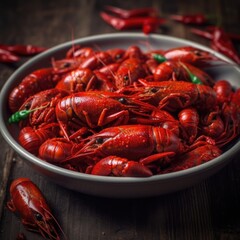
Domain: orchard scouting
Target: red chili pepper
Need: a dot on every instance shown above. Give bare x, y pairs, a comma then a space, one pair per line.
8, 57
150, 26
233, 36
131, 23
202, 33
22, 49
196, 19
222, 43
21, 236
137, 12
208, 33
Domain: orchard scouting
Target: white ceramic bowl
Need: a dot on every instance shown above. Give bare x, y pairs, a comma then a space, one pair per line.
115, 186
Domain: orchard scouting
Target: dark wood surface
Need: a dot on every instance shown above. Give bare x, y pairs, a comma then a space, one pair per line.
209, 210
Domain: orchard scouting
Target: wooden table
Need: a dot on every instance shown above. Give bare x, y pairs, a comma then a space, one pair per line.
209, 210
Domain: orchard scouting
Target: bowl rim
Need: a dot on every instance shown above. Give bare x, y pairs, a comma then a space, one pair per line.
94, 178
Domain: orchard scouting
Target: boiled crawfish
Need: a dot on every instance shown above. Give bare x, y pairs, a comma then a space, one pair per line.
78, 80
120, 167
195, 157
188, 54
129, 72
36, 81
28, 201
31, 138
96, 109
125, 112
42, 105
132, 142
175, 70
174, 95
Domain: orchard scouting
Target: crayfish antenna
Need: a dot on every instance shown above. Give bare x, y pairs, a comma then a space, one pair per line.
222, 63
51, 233
147, 44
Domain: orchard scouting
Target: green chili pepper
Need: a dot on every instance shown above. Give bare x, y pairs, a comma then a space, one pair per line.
159, 58
18, 116
194, 78
21, 115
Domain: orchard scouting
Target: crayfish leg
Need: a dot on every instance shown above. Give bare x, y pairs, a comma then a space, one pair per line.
11, 206
155, 157
120, 117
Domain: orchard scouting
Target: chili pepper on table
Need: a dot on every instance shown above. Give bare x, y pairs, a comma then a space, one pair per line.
8, 57
26, 50
150, 25
21, 236
232, 36
220, 41
131, 23
207, 33
195, 19
202, 33
136, 12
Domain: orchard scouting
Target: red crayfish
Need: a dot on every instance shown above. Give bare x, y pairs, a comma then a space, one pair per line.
97, 109
132, 141
28, 201
174, 95
116, 166
38, 80
126, 112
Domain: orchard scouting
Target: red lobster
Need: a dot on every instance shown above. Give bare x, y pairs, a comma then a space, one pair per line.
117, 54
56, 150
175, 70
129, 72
120, 167
37, 81
188, 54
224, 91
174, 95
230, 113
44, 104
193, 158
77, 81
28, 201
224, 122
79, 53
189, 120
132, 142
96, 61
31, 138
97, 109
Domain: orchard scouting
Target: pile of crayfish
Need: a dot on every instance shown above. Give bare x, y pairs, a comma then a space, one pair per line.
126, 112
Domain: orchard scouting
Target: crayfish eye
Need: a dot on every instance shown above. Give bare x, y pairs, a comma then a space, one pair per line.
38, 217
118, 56
27, 106
125, 80
99, 140
65, 65
153, 90
197, 53
122, 100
